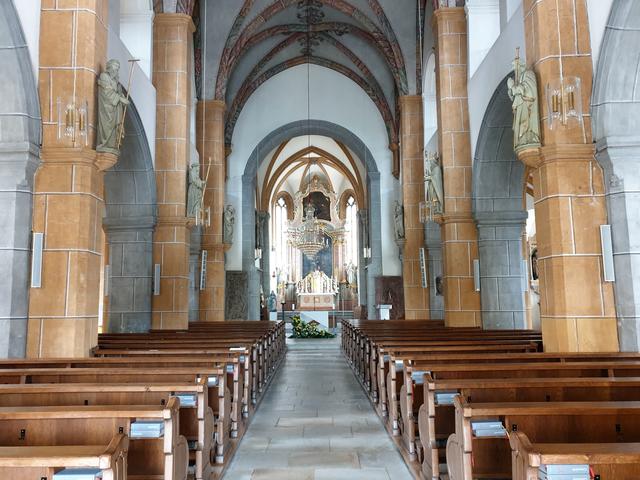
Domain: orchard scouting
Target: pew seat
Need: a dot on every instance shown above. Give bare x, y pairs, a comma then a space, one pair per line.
42, 462
165, 457
619, 461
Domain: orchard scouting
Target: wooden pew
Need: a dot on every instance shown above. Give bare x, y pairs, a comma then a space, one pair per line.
197, 423
470, 457
619, 461
42, 462
436, 421
162, 458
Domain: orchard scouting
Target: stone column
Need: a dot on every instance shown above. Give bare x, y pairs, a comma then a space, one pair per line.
210, 145
19, 152
416, 298
171, 38
501, 276
459, 235
577, 307
131, 277
68, 189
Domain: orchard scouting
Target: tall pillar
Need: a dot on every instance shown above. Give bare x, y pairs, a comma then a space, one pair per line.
210, 145
459, 234
577, 306
171, 39
416, 297
68, 189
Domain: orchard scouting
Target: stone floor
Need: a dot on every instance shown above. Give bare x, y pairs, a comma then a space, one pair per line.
315, 423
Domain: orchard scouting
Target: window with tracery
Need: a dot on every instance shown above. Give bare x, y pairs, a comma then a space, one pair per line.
280, 232
351, 227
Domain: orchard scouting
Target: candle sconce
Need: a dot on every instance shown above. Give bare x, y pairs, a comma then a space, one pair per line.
73, 122
564, 101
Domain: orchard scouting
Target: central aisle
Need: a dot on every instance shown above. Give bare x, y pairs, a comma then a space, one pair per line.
315, 423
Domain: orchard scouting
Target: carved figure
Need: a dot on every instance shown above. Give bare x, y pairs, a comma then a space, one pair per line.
196, 188
433, 182
523, 92
111, 102
272, 300
228, 220
399, 221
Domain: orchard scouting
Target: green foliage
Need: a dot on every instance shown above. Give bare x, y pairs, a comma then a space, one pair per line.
302, 329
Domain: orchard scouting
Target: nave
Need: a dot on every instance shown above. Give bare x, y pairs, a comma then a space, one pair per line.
316, 423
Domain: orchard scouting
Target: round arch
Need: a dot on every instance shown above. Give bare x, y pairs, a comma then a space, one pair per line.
616, 130
20, 133
130, 217
271, 142
498, 179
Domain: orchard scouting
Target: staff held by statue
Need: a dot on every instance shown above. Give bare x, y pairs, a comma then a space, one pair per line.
132, 63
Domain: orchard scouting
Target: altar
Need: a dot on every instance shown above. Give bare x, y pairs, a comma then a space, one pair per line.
317, 292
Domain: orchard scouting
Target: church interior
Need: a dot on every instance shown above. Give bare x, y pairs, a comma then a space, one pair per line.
319, 239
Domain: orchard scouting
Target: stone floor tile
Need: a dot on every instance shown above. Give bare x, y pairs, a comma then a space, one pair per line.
316, 423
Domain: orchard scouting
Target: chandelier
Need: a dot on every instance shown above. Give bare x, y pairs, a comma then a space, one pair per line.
309, 237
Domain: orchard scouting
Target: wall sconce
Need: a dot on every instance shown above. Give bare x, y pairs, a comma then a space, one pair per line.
73, 121
564, 101
423, 212
203, 217
258, 253
366, 253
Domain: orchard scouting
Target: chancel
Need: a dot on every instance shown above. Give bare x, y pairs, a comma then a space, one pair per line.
319, 239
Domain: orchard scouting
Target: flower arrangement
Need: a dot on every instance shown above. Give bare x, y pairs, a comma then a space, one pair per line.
302, 329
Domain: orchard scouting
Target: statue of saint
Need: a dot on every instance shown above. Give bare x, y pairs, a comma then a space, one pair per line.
434, 184
111, 102
196, 189
523, 92
399, 221
228, 220
272, 304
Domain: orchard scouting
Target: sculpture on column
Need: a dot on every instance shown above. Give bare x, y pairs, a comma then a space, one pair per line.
111, 102
399, 221
228, 220
434, 187
196, 190
523, 92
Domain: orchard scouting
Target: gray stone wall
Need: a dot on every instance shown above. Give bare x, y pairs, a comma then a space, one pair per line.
131, 279
19, 159
616, 127
498, 182
433, 242
130, 217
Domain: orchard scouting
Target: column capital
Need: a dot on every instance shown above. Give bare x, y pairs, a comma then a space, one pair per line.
567, 152
462, 217
213, 104
137, 223
406, 100
448, 13
174, 19
511, 217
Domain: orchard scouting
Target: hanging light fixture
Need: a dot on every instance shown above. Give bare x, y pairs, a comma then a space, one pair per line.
309, 237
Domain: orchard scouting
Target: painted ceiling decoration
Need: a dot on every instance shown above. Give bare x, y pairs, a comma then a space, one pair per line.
355, 38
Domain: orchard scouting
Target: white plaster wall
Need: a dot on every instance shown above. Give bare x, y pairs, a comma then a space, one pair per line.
335, 98
598, 11
496, 65
142, 92
29, 13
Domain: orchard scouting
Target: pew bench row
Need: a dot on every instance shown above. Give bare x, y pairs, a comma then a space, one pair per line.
461, 408
180, 402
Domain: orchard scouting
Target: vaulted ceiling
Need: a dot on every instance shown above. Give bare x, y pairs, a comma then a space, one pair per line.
244, 43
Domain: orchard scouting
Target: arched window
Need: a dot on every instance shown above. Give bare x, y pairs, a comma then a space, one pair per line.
280, 232
351, 227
